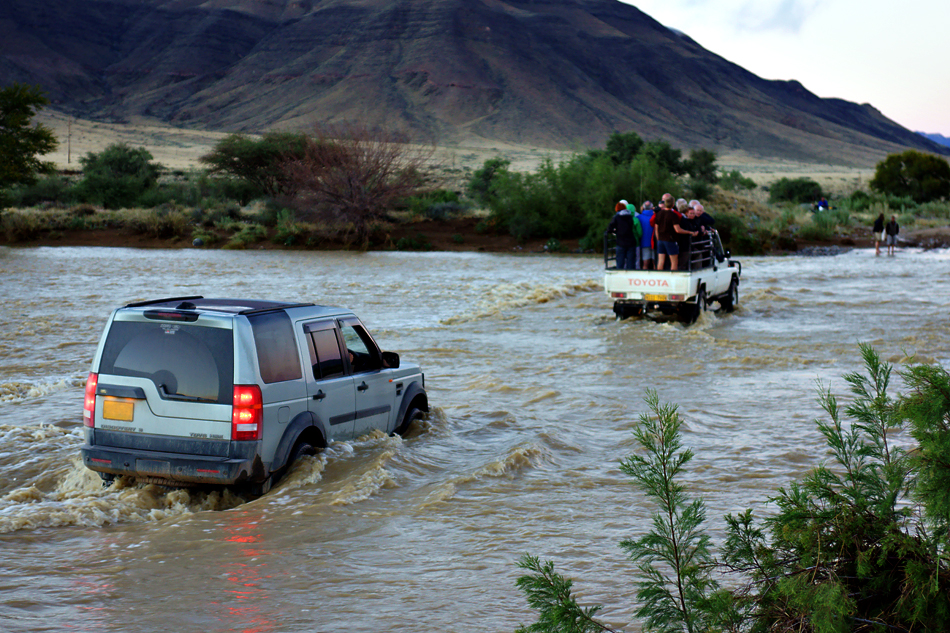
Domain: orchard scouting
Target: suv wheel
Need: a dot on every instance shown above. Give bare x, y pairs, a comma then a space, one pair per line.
412, 415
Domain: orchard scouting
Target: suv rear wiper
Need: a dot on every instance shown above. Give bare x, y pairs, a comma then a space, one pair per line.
177, 396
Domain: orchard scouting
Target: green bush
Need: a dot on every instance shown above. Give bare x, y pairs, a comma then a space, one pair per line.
288, 231
440, 204
418, 243
248, 234
934, 210
164, 222
742, 235
259, 163
701, 165
623, 147
734, 181
206, 236
861, 201
117, 176
45, 190
699, 189
797, 190
821, 228
922, 177
481, 184
21, 226
575, 198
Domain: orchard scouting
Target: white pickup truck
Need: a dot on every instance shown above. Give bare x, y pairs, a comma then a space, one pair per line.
710, 276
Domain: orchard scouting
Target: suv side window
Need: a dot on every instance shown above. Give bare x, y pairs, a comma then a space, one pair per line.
364, 355
276, 350
325, 353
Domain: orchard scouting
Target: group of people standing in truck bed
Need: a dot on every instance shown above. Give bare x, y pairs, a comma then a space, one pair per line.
657, 238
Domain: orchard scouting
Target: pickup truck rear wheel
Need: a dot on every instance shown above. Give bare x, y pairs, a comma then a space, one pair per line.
627, 310
689, 312
729, 302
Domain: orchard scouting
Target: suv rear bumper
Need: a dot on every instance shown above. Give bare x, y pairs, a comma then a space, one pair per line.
242, 464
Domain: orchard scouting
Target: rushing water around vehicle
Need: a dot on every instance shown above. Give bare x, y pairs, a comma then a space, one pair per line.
534, 387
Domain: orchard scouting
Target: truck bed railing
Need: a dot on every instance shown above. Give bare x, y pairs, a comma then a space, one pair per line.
704, 250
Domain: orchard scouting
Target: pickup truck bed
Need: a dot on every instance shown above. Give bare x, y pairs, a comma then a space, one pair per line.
711, 276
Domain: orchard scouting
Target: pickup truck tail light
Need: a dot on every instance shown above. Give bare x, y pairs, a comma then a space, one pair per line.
247, 413
89, 406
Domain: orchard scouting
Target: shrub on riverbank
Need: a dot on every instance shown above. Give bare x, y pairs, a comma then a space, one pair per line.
860, 543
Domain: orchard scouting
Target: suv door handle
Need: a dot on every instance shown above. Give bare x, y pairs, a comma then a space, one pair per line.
319, 395
363, 386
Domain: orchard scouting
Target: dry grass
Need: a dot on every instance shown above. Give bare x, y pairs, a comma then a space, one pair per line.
179, 148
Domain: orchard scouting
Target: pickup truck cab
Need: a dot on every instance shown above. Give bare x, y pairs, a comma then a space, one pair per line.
709, 276
190, 390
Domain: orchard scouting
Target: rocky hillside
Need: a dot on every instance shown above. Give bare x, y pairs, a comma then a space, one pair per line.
546, 73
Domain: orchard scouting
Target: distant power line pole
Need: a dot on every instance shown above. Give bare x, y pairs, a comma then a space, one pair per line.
69, 139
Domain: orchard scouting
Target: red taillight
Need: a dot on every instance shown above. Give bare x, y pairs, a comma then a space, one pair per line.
247, 413
89, 407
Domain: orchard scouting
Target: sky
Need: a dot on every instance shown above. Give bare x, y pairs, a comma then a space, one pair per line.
892, 54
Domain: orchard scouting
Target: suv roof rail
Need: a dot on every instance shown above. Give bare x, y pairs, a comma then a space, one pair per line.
139, 304
278, 306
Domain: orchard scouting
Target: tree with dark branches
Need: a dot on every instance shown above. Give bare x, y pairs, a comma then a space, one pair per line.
20, 142
351, 175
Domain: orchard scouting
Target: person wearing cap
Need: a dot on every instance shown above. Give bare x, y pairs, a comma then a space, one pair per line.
621, 225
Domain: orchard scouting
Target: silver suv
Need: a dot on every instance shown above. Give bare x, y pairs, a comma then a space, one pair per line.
191, 390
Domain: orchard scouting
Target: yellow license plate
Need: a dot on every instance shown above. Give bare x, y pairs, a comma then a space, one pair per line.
655, 297
117, 410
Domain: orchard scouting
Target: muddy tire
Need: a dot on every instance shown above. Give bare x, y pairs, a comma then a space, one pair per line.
626, 310
731, 300
412, 415
689, 312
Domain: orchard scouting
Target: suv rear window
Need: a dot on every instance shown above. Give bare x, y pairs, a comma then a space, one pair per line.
181, 359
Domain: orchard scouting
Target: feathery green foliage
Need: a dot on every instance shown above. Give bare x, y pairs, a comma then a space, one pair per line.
858, 545
848, 551
550, 593
673, 559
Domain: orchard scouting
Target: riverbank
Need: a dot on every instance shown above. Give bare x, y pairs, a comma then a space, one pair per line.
454, 235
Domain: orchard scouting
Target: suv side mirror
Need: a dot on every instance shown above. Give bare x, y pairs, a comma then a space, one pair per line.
390, 360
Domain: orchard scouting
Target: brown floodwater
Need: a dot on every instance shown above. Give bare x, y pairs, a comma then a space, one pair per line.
534, 386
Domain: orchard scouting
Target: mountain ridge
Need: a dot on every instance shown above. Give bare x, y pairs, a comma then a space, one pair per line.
547, 73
